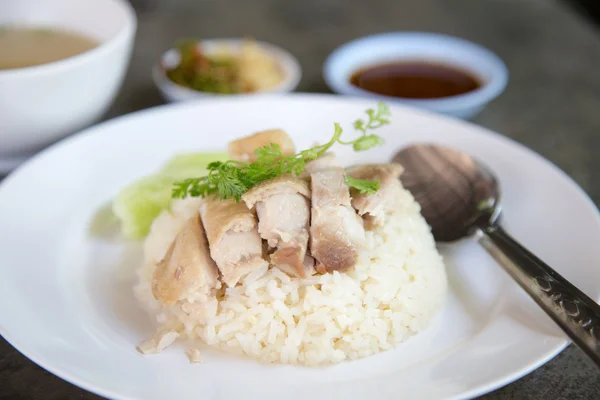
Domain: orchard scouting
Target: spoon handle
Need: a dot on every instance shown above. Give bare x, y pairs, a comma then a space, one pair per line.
569, 307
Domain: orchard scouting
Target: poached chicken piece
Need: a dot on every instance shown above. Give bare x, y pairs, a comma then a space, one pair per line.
374, 207
243, 149
186, 270
326, 161
283, 209
235, 244
336, 233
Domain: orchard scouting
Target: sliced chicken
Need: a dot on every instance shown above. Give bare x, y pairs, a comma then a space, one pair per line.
186, 269
283, 209
326, 161
374, 207
336, 231
243, 149
235, 244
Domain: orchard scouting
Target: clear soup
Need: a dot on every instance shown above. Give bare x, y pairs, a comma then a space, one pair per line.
22, 47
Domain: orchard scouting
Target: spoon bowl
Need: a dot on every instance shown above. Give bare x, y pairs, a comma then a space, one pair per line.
460, 198
456, 193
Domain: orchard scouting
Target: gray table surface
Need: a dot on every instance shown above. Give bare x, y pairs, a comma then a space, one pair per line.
552, 105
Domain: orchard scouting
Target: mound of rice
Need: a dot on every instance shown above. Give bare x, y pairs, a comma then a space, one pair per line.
394, 292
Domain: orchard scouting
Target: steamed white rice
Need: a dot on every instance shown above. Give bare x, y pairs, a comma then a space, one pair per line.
397, 287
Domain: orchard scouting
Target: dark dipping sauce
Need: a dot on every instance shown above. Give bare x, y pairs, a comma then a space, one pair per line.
415, 80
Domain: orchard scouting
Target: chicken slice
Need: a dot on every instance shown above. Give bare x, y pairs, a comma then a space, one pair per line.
336, 231
186, 269
374, 207
243, 149
326, 161
283, 209
235, 244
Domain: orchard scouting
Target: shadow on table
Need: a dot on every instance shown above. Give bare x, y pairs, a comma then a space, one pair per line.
129, 101
590, 9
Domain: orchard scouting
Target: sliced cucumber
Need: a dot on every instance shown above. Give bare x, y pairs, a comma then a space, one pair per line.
138, 204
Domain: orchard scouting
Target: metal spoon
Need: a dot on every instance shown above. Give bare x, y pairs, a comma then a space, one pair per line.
459, 197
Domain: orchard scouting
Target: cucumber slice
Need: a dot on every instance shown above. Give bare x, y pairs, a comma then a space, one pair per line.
138, 204
190, 165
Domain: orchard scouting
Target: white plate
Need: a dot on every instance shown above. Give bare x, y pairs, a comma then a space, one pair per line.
65, 288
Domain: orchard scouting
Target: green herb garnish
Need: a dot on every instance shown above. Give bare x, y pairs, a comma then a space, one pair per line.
362, 185
231, 179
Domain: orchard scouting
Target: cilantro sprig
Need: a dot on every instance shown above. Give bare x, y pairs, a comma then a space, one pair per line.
363, 185
231, 179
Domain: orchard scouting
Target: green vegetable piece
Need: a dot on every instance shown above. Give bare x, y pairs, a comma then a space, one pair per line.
140, 203
367, 142
362, 185
190, 164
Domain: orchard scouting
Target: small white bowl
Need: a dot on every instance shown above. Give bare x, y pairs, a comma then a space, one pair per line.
41, 104
417, 46
173, 92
